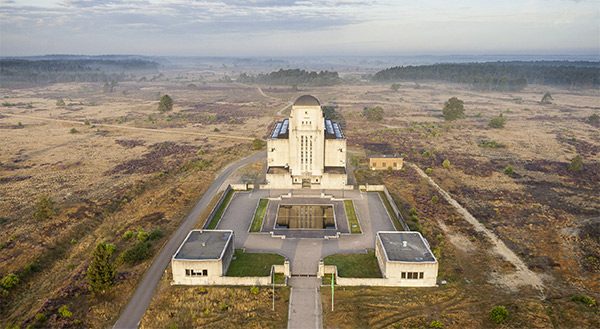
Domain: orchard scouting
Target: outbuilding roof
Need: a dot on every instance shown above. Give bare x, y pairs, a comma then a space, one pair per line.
204, 245
405, 247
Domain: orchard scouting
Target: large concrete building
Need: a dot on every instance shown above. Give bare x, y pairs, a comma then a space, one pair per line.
203, 256
405, 259
306, 150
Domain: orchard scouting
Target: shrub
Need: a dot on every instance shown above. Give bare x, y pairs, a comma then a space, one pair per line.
547, 98
128, 235
155, 235
491, 144
428, 171
11, 325
498, 314
412, 211
497, 122
41, 317
136, 253
216, 130
592, 118
435, 324
258, 144
426, 154
30, 268
254, 290
509, 170
64, 312
87, 122
142, 236
446, 163
73, 131
19, 124
589, 301
576, 164
44, 207
435, 198
10, 281
60, 102
373, 113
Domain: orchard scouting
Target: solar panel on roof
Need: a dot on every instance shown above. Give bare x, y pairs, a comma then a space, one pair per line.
329, 127
284, 127
276, 130
338, 131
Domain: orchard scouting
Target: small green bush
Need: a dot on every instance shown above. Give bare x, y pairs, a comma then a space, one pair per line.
128, 235
87, 122
44, 208
3, 245
254, 290
428, 171
435, 198
64, 312
10, 281
12, 326
73, 131
592, 118
576, 164
30, 268
136, 253
142, 236
258, 144
41, 317
589, 301
497, 122
509, 170
155, 235
426, 154
436, 324
498, 314
446, 163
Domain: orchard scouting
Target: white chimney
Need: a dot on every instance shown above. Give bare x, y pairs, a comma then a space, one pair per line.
404, 244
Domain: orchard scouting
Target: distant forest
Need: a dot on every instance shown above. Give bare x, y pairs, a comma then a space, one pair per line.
293, 77
501, 76
72, 70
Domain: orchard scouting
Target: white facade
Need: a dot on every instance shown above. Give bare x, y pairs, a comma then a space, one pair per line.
306, 150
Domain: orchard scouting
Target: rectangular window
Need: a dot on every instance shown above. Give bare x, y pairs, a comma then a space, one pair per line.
374, 165
415, 275
420, 275
395, 164
188, 272
383, 164
404, 275
205, 272
410, 275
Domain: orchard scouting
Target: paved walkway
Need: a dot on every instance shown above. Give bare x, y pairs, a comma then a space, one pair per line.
305, 303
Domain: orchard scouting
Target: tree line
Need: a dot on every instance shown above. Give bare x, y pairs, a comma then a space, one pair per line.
291, 77
72, 70
501, 76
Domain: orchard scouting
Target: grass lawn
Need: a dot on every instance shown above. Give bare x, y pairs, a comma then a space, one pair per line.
355, 265
391, 211
215, 220
327, 279
278, 278
259, 215
253, 264
352, 219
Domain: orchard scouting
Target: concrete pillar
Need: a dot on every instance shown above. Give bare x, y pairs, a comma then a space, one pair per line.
286, 268
321, 270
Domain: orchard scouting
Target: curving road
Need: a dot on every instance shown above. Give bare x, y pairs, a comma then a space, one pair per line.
132, 315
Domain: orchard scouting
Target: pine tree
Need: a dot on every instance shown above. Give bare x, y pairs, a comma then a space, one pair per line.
454, 109
44, 208
165, 104
101, 272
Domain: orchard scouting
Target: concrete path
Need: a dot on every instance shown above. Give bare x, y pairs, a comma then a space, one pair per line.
305, 304
135, 309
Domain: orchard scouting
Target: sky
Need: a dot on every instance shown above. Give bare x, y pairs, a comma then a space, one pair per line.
299, 28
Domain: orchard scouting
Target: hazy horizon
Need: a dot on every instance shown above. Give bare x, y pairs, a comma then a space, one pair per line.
270, 28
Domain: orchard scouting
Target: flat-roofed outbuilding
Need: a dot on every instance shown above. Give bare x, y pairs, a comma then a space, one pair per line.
202, 255
406, 257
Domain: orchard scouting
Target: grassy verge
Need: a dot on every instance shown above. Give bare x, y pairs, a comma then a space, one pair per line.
327, 279
253, 264
215, 220
355, 265
352, 219
391, 211
278, 278
259, 215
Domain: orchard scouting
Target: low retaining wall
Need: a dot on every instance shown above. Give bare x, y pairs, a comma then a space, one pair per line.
237, 280
239, 187
395, 208
212, 213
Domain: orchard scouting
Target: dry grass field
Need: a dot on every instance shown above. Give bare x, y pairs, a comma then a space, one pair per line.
110, 177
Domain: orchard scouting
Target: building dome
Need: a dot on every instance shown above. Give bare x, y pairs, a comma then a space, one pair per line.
307, 100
